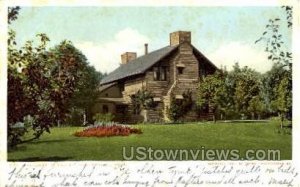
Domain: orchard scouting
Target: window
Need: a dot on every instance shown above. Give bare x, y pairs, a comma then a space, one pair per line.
160, 73
180, 70
106, 95
156, 73
105, 109
163, 73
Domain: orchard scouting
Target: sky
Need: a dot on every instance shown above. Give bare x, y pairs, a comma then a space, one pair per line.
225, 35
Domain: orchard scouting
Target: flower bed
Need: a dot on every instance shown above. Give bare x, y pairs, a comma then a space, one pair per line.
106, 131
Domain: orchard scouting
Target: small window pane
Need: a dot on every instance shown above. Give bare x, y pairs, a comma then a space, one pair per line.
156, 73
163, 73
180, 70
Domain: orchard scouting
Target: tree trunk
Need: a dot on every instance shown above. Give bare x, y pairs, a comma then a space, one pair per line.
280, 115
145, 115
252, 115
281, 121
84, 119
214, 118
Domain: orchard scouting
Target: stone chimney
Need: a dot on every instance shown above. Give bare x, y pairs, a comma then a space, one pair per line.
127, 57
179, 37
146, 48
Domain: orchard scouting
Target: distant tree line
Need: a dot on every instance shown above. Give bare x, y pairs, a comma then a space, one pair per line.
246, 93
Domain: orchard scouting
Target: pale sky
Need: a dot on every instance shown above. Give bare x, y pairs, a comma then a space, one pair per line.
225, 35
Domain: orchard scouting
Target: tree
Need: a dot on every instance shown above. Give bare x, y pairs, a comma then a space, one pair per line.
279, 87
179, 107
143, 99
243, 89
271, 79
12, 13
26, 82
76, 81
283, 101
40, 84
211, 93
85, 94
247, 87
256, 106
275, 41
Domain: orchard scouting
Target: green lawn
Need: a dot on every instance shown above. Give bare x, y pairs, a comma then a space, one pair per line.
61, 145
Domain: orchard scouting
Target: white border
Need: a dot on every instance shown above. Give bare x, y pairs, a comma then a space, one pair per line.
296, 50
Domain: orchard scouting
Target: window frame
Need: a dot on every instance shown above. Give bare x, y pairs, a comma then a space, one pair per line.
180, 70
160, 73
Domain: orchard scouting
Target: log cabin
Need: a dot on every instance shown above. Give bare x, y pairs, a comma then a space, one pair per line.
165, 73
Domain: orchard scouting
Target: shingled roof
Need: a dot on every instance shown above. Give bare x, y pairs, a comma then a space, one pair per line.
142, 63
138, 66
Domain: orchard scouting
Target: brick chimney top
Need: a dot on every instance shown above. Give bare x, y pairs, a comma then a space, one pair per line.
179, 37
127, 57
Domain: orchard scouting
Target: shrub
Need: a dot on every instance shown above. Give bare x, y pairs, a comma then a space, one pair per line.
75, 117
18, 130
103, 118
142, 98
178, 108
274, 118
107, 131
284, 130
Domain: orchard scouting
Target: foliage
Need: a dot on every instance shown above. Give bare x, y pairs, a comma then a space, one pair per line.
271, 79
211, 93
142, 98
27, 84
12, 13
279, 83
179, 107
107, 131
174, 111
18, 130
247, 90
85, 92
103, 118
283, 102
257, 106
274, 39
75, 117
41, 82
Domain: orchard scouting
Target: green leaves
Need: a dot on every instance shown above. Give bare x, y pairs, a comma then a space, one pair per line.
211, 91
42, 82
178, 108
143, 98
273, 38
12, 13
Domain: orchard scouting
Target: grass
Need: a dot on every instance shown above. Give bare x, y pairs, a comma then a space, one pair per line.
62, 145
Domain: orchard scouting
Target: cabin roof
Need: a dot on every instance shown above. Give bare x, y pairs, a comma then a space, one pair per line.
143, 63
137, 66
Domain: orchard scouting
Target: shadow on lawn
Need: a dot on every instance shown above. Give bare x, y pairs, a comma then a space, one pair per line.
36, 159
245, 121
50, 141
